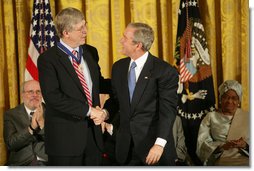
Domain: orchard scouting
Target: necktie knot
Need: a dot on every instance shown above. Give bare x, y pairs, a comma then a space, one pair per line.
133, 65
31, 113
77, 57
74, 52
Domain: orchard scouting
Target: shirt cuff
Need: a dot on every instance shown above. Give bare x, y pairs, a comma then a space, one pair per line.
161, 142
110, 131
107, 114
89, 112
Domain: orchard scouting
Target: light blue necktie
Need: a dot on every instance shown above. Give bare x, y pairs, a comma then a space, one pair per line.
132, 79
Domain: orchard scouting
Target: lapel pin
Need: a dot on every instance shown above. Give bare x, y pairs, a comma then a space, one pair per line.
146, 77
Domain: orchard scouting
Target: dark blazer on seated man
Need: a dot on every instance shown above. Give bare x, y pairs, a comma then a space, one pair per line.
25, 146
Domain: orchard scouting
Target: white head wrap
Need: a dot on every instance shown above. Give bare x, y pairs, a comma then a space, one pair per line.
230, 85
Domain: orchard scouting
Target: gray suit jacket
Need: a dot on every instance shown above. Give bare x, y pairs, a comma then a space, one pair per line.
22, 146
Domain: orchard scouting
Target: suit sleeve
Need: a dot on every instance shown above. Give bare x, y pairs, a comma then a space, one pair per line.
167, 87
105, 83
15, 139
112, 104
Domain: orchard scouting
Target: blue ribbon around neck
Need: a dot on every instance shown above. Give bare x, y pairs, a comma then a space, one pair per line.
65, 50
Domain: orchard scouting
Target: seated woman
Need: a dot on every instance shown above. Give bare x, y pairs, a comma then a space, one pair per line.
223, 136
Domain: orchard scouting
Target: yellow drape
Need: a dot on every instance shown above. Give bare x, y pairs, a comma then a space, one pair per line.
226, 25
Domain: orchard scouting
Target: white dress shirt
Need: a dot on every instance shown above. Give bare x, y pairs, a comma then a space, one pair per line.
85, 71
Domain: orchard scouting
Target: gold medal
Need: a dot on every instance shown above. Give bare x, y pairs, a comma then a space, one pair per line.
80, 68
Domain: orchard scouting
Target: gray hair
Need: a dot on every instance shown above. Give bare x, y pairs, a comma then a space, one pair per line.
230, 85
143, 34
66, 19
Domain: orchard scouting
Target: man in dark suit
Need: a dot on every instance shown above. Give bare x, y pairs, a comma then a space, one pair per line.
144, 136
24, 128
71, 81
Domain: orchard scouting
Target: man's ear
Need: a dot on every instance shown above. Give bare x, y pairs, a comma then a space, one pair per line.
65, 33
140, 45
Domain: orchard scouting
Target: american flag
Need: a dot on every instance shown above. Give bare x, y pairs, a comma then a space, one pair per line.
185, 74
42, 36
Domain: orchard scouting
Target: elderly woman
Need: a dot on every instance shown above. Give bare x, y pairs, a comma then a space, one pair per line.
223, 136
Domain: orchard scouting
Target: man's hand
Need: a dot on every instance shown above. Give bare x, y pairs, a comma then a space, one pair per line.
154, 154
33, 125
97, 115
39, 116
107, 127
103, 127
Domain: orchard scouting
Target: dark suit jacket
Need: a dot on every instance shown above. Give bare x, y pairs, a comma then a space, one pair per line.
152, 111
22, 146
66, 122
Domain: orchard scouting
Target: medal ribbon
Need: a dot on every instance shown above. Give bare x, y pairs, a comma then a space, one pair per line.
65, 50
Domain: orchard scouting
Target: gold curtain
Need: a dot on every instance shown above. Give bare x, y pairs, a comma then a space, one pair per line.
226, 25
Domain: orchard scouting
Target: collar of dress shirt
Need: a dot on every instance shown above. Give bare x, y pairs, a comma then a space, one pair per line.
68, 47
29, 110
140, 61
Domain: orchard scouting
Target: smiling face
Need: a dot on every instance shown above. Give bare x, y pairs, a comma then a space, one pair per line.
77, 35
229, 102
128, 46
31, 94
71, 26
137, 39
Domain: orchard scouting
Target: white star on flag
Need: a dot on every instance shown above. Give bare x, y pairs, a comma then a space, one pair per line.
40, 40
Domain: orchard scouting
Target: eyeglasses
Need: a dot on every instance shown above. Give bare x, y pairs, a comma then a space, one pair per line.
227, 97
81, 28
31, 92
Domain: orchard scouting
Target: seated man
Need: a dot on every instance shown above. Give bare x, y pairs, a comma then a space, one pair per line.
223, 138
24, 128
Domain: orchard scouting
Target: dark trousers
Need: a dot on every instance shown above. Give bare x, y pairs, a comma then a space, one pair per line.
108, 158
91, 156
36, 162
133, 159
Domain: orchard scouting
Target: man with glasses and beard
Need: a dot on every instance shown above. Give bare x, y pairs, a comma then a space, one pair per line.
24, 128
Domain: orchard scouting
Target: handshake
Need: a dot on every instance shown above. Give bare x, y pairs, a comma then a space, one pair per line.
98, 115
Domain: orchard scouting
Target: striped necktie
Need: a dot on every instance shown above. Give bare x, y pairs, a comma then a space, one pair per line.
82, 78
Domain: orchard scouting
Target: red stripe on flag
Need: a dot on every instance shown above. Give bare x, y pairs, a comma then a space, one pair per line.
185, 75
42, 36
31, 68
